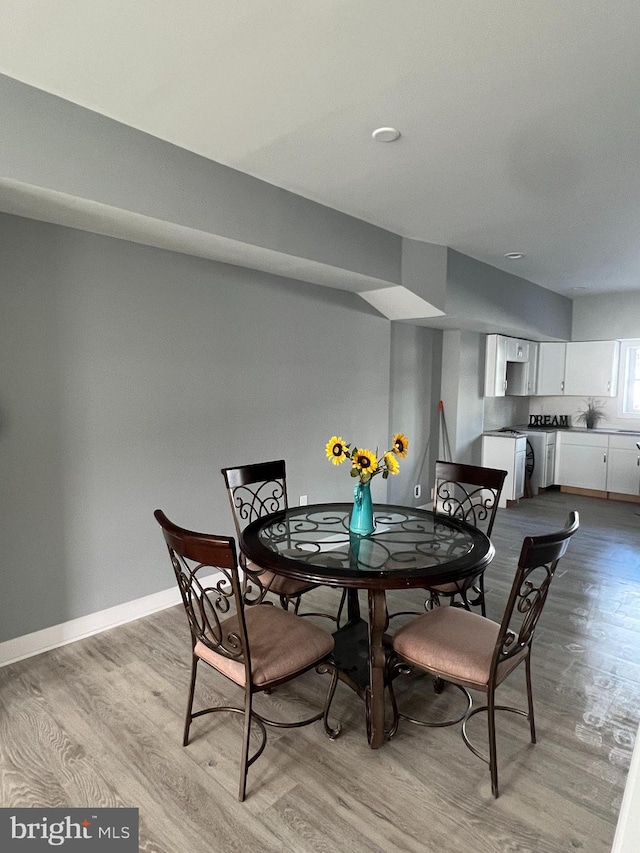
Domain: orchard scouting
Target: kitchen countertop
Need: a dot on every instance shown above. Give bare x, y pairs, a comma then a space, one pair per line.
600, 430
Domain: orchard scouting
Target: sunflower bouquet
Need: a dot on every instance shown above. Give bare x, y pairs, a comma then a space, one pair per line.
365, 464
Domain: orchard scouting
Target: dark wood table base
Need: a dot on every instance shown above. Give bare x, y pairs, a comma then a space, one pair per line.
361, 670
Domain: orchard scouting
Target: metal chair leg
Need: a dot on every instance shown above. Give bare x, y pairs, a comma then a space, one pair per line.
332, 733
343, 599
246, 735
192, 688
532, 722
493, 760
391, 731
483, 606
395, 668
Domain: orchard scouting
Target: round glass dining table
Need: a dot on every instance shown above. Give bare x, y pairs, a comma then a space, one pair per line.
410, 547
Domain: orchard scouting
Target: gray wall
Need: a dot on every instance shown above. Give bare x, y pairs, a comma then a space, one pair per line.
130, 376
489, 300
50, 143
606, 317
416, 366
462, 394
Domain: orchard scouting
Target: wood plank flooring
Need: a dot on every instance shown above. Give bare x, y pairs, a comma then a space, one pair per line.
99, 723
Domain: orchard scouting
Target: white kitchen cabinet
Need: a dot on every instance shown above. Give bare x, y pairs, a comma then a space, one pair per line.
550, 373
591, 368
550, 368
507, 453
623, 465
550, 464
582, 460
532, 376
495, 366
508, 367
518, 379
519, 462
578, 368
543, 445
517, 350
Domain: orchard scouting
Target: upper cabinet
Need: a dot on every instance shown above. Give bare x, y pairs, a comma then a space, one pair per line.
591, 368
551, 364
517, 350
578, 368
495, 366
510, 366
523, 368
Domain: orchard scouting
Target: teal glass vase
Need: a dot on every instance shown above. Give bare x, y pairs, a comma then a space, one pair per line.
361, 522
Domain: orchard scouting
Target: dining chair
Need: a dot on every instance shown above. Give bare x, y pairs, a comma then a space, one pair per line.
255, 646
471, 493
472, 652
254, 491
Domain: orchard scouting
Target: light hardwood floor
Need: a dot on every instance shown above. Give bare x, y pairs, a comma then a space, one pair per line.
99, 723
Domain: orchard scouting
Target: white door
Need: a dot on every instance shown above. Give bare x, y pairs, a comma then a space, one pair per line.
550, 379
518, 486
495, 369
583, 466
623, 471
591, 368
549, 466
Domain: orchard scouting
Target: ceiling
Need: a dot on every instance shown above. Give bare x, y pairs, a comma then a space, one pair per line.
520, 120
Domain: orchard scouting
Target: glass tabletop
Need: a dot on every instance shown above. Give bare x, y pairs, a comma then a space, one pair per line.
408, 546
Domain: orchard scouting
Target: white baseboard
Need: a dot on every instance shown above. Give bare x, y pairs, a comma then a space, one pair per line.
85, 626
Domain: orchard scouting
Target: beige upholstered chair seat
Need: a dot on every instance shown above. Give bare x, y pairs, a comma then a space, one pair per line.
455, 644
446, 588
278, 584
280, 643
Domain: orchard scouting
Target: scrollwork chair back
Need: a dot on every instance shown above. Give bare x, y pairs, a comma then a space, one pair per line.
211, 588
472, 494
254, 491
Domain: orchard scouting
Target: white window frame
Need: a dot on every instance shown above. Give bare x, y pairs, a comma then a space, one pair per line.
627, 348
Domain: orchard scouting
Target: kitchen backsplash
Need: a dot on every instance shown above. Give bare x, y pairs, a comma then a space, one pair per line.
508, 411
572, 406
505, 411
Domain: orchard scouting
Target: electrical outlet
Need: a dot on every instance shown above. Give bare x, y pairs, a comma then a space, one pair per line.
417, 491
303, 500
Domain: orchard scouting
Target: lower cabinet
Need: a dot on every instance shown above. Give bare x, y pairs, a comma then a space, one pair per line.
623, 465
550, 464
582, 460
543, 445
600, 461
506, 452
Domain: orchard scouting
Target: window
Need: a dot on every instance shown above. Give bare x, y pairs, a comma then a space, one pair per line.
630, 368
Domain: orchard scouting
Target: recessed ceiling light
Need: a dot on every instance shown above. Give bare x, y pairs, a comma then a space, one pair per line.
514, 256
386, 134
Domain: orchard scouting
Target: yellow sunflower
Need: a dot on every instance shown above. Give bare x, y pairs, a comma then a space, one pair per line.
400, 444
337, 451
393, 466
365, 462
